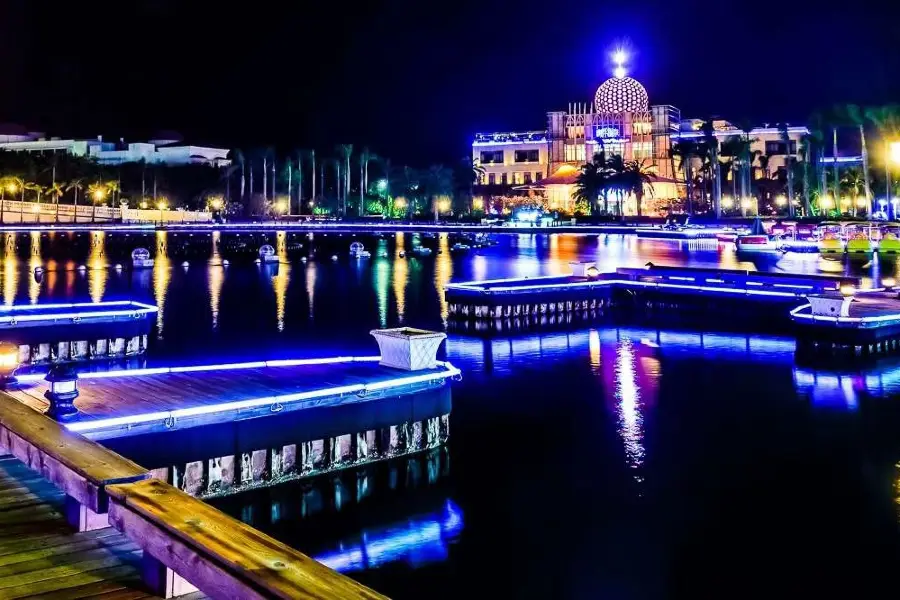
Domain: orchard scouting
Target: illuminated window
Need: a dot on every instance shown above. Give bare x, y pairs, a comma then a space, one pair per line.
641, 128
528, 178
575, 153
492, 178
527, 156
641, 150
493, 157
517, 178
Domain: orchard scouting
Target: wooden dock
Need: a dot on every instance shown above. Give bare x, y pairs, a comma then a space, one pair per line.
176, 544
42, 557
863, 323
589, 293
141, 401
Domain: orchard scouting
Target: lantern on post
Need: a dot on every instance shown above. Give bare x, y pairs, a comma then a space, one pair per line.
63, 390
9, 362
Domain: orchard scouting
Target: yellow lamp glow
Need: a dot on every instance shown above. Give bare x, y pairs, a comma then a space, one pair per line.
12, 188
861, 202
444, 205
781, 201
478, 204
162, 206
746, 204
827, 202
888, 282
894, 150
848, 290
281, 206
727, 202
143, 205
9, 357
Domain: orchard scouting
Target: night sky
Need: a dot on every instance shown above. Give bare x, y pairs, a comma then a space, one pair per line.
414, 79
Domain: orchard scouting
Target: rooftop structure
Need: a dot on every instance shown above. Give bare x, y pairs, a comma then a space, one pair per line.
166, 148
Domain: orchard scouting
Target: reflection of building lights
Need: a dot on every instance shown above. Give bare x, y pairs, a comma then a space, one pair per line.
746, 204
477, 204
727, 202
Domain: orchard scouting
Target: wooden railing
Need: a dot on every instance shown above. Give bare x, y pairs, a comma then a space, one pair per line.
188, 545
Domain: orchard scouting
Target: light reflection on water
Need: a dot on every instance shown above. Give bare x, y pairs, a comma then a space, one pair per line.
417, 541
617, 388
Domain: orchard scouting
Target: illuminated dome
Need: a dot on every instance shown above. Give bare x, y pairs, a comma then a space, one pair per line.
621, 94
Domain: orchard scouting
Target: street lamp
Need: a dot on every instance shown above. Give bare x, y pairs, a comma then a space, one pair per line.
161, 206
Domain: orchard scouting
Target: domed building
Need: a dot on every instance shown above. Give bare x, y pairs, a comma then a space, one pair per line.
619, 121
544, 165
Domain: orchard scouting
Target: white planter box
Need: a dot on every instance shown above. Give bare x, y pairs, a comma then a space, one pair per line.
580, 269
407, 348
830, 306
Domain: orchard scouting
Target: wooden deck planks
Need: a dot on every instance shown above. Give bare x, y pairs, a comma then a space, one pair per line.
41, 556
141, 394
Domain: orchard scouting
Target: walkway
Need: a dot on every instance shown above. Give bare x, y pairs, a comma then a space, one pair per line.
41, 556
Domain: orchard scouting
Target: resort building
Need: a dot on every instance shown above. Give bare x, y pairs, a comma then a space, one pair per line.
167, 149
619, 121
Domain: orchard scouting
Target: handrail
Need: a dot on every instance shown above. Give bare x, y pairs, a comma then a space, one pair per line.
186, 544
77, 466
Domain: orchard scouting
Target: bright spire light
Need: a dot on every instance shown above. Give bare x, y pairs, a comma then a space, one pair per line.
619, 72
619, 57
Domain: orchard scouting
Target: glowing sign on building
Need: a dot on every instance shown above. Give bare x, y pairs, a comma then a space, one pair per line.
611, 135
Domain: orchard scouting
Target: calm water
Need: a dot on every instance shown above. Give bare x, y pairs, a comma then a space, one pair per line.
597, 463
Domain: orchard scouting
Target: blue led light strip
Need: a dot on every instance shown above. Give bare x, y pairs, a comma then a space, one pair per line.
811, 317
360, 389
138, 309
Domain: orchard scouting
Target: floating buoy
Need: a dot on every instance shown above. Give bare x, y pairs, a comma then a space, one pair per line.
303, 259
402, 254
38, 270
185, 264
82, 268
225, 263
118, 266
334, 257
257, 261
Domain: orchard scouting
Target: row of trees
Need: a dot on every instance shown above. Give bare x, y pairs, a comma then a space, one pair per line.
603, 177
807, 179
346, 183
257, 183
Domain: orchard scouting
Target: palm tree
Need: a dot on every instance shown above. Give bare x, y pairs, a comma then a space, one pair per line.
364, 157
97, 192
803, 152
853, 183
56, 190
74, 186
788, 165
637, 178
299, 155
386, 167
336, 165
37, 188
685, 150
439, 182
113, 188
592, 182
289, 167
711, 144
855, 115
312, 159
887, 120
345, 151
237, 156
